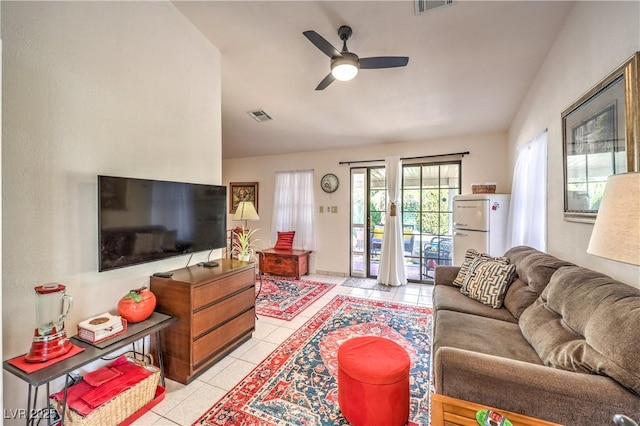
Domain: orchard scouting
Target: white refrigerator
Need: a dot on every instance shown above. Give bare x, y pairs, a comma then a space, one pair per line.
480, 223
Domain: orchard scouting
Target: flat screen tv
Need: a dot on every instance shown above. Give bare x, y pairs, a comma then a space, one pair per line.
143, 220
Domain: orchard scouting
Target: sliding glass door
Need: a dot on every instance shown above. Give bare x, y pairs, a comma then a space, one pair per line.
427, 197
427, 210
359, 243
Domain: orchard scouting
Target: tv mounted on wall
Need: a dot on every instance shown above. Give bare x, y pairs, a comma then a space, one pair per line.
143, 220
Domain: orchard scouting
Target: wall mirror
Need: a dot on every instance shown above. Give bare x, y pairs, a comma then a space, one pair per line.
600, 138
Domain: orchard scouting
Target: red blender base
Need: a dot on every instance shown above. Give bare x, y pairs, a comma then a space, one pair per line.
42, 351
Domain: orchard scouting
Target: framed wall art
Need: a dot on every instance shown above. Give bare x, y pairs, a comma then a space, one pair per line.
242, 191
600, 135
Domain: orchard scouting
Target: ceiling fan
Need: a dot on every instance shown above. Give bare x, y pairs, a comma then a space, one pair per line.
345, 65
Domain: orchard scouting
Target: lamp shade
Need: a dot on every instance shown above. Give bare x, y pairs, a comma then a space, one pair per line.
616, 233
246, 211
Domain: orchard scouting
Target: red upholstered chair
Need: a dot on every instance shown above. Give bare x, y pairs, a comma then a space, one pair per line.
373, 382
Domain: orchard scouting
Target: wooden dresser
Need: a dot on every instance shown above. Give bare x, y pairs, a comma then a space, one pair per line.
290, 263
215, 308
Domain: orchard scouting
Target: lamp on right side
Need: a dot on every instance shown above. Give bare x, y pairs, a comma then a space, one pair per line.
616, 233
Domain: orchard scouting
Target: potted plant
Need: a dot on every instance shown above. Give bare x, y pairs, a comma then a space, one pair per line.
243, 246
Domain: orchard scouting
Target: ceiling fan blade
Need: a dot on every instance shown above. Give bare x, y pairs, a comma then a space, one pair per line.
383, 62
322, 44
326, 81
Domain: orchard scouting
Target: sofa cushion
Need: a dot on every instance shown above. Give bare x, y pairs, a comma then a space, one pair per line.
469, 256
169, 240
444, 275
533, 272
587, 322
144, 243
487, 281
479, 334
446, 297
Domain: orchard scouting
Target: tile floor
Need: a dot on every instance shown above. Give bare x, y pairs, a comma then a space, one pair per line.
183, 405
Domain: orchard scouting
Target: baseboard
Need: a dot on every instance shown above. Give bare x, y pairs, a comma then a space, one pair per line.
331, 273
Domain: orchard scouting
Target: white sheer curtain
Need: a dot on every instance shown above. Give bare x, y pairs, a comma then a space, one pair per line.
293, 208
528, 213
392, 270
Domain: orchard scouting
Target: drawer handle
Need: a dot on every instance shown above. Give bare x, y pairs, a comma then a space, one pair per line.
278, 261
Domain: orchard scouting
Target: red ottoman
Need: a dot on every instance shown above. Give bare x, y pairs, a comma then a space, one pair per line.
373, 382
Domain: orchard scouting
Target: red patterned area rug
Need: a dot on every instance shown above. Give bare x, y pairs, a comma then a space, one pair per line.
283, 298
296, 383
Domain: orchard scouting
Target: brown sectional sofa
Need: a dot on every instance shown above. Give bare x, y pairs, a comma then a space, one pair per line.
564, 347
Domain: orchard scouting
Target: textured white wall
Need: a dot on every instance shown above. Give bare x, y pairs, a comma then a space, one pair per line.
487, 162
596, 38
1, 379
118, 88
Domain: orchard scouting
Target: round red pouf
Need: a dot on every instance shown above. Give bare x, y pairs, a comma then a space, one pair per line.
373, 382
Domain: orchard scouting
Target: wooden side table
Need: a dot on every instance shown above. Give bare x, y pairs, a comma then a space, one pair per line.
92, 351
285, 262
449, 411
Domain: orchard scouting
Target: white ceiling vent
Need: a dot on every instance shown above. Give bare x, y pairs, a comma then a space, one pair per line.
260, 115
423, 6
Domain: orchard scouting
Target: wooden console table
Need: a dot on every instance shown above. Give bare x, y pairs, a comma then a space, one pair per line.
289, 263
448, 411
91, 352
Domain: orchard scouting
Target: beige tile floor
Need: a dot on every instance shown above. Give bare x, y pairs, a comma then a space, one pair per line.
183, 405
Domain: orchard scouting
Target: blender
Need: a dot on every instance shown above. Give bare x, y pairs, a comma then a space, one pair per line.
50, 338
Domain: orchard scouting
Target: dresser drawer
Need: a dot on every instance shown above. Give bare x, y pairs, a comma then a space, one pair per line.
217, 340
211, 316
213, 291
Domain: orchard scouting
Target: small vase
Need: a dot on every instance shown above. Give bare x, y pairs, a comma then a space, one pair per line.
137, 305
244, 257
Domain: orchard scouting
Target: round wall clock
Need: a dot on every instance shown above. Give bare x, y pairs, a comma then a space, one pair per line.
329, 183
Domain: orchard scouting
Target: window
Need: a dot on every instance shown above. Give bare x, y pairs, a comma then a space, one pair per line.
528, 213
293, 208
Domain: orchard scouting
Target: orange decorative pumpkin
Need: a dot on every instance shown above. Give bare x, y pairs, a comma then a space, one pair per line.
137, 305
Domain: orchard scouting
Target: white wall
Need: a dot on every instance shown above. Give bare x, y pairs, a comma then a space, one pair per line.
487, 162
118, 88
596, 38
1, 386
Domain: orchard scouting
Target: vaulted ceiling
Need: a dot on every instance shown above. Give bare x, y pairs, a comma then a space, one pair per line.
470, 66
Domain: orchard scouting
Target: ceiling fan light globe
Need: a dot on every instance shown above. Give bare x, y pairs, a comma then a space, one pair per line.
344, 69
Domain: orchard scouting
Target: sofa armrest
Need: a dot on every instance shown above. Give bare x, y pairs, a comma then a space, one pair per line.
534, 390
445, 275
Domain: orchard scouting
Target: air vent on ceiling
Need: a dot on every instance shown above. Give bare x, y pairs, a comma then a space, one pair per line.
423, 6
260, 115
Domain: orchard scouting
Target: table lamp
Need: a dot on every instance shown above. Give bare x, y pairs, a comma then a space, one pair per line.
616, 233
246, 211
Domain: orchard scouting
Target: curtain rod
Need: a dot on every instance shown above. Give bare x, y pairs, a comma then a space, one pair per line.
407, 158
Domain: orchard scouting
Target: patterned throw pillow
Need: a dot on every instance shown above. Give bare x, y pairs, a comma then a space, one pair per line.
469, 257
487, 281
144, 243
285, 240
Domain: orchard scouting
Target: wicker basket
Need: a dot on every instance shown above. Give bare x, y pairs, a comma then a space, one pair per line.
116, 410
487, 188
